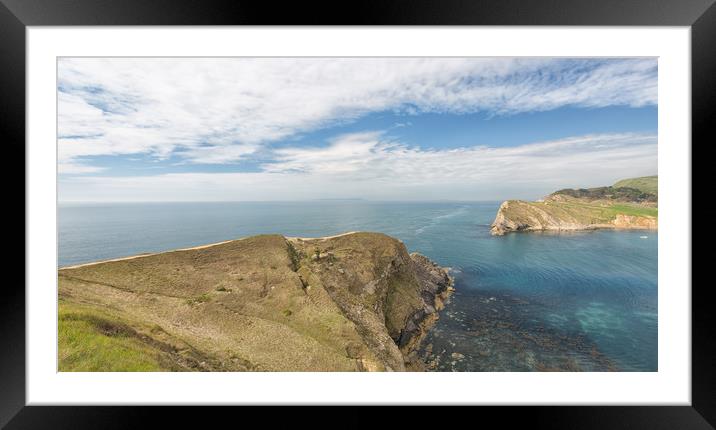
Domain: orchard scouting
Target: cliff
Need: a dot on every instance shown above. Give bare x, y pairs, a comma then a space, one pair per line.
583, 209
353, 302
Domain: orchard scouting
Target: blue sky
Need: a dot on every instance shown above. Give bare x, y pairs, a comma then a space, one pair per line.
372, 128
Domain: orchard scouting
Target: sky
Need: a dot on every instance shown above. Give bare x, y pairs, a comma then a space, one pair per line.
257, 129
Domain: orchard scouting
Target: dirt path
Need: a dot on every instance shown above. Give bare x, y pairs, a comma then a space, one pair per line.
322, 238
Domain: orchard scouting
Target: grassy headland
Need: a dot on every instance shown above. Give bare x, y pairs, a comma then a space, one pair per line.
350, 302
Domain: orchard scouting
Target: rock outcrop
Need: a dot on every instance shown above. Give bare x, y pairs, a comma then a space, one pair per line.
635, 222
516, 215
350, 302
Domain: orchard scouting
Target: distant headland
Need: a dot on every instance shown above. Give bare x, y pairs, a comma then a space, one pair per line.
628, 204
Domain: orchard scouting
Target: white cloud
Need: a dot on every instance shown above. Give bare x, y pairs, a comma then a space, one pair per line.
367, 165
220, 110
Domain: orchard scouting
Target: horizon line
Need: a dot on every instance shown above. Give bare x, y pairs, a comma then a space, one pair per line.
281, 201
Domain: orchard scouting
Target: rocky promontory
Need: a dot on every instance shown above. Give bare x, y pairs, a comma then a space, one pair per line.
615, 207
353, 302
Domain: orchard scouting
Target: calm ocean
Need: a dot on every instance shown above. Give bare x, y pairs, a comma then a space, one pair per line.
580, 301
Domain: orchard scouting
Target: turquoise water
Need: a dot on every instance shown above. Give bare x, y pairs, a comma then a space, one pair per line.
529, 301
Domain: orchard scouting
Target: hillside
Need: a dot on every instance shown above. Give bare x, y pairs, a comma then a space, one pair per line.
353, 302
617, 207
646, 184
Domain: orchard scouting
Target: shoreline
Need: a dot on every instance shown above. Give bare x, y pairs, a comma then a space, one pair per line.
149, 254
591, 227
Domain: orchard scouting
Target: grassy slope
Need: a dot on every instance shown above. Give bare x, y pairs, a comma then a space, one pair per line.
90, 340
239, 303
647, 184
260, 303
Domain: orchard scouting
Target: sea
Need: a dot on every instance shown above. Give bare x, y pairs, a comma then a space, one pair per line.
579, 301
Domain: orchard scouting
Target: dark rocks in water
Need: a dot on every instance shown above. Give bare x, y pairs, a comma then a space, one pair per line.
499, 341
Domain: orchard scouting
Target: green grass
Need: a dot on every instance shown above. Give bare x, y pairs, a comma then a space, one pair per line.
633, 210
647, 184
605, 212
90, 341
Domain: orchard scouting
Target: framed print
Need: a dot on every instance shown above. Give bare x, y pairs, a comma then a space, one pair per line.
391, 207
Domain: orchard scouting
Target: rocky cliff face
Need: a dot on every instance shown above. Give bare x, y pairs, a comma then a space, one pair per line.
515, 215
391, 296
352, 302
635, 222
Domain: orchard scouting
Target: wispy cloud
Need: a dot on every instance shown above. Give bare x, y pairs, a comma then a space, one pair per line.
217, 154
218, 111
370, 165
370, 157
75, 168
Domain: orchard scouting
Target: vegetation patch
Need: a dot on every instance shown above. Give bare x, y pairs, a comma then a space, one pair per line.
632, 210
295, 257
199, 299
90, 341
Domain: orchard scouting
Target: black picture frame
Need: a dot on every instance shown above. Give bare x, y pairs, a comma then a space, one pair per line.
16, 15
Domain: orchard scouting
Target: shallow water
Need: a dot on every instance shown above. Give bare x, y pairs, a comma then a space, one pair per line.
527, 301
